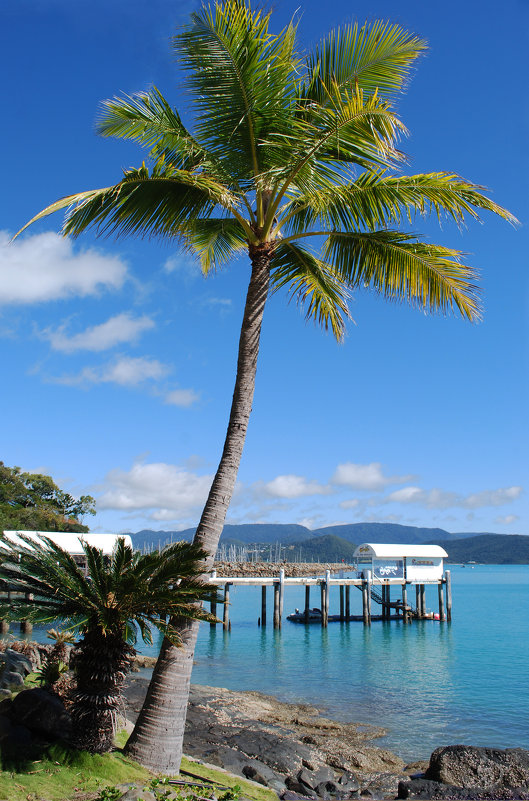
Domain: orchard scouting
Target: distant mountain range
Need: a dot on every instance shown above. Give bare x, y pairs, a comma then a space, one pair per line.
337, 543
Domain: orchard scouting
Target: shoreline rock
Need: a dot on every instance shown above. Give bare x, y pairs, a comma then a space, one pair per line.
290, 748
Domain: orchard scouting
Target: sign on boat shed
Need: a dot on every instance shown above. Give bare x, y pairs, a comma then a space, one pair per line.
418, 564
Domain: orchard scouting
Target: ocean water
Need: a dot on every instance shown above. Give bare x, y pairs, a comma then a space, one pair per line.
427, 683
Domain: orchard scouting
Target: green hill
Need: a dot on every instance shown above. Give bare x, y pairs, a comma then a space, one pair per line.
492, 549
385, 532
328, 548
334, 543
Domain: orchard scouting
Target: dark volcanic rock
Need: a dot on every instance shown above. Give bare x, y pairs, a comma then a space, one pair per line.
42, 712
383, 785
487, 768
277, 752
348, 782
312, 778
432, 791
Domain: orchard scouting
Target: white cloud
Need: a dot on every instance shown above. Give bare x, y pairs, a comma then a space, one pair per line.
223, 302
125, 371
115, 331
182, 397
364, 476
441, 499
183, 264
170, 492
351, 504
44, 267
493, 497
291, 487
507, 520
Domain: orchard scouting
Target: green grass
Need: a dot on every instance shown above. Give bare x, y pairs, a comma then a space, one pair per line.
66, 775
248, 789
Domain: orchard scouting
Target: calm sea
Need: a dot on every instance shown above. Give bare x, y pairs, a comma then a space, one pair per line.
428, 683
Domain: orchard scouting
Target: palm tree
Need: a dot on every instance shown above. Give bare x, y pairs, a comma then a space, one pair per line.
119, 597
294, 160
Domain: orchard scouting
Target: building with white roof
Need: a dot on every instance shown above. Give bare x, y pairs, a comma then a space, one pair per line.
417, 564
72, 542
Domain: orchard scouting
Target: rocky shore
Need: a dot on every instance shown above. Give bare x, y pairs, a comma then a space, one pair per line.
294, 750
290, 748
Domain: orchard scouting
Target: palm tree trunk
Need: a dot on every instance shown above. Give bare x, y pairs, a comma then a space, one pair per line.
157, 739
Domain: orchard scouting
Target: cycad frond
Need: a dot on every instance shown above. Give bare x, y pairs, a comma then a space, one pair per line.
120, 592
400, 267
313, 283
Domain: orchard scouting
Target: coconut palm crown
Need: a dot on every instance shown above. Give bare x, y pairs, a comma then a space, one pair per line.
118, 598
294, 160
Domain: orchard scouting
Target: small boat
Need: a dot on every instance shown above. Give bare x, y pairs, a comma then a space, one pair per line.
315, 616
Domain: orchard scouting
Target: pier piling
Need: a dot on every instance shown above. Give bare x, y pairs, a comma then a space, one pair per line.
448, 586
213, 605
281, 594
307, 602
277, 618
226, 615
347, 602
442, 615
263, 605
404, 603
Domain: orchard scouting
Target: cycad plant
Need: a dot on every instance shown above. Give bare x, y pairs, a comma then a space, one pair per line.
293, 160
119, 597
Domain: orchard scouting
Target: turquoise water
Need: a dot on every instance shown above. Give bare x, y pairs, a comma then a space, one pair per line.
428, 683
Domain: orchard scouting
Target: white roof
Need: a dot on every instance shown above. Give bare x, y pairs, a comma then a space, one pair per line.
72, 542
381, 550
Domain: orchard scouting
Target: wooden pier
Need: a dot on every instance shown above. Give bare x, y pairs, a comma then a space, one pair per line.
379, 591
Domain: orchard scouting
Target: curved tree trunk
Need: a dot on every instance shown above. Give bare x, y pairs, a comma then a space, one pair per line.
156, 741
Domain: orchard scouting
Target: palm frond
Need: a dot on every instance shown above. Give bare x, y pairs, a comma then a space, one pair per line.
240, 75
375, 200
313, 283
376, 57
157, 203
358, 131
215, 240
147, 118
400, 267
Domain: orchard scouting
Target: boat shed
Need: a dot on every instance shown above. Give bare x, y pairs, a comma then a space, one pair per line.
73, 542
415, 564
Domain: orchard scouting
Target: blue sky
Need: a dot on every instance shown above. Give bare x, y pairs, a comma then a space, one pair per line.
118, 357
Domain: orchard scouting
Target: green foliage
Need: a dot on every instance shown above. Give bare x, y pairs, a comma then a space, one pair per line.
31, 501
62, 773
287, 148
161, 788
493, 549
50, 672
327, 548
